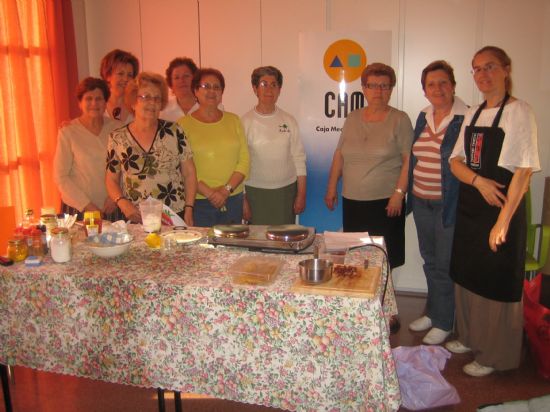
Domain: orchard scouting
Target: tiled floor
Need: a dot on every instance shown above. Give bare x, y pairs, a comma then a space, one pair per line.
48, 392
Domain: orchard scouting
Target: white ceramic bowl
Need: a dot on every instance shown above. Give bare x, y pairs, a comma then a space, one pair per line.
109, 250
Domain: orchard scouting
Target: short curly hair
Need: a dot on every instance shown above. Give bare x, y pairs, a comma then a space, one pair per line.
378, 69
259, 72
177, 62
199, 74
438, 65
114, 57
91, 83
143, 79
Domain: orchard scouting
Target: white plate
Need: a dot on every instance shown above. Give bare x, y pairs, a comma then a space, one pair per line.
183, 236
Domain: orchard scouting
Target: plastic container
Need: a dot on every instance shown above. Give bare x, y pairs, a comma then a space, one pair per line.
255, 270
151, 214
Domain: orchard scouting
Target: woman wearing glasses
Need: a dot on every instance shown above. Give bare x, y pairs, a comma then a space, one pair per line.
276, 187
150, 156
118, 67
220, 152
433, 194
372, 158
494, 157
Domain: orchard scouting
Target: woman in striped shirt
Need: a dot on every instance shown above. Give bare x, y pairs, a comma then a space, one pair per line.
433, 194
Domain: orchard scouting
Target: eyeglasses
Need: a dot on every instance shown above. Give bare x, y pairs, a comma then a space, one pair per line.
376, 86
265, 85
148, 98
208, 86
489, 67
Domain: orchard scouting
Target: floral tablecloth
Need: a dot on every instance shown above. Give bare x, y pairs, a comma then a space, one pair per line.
174, 319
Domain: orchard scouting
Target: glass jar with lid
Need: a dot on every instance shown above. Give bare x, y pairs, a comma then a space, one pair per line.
50, 222
60, 245
36, 247
17, 248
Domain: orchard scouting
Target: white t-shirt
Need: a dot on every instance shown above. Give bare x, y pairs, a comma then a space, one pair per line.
172, 112
520, 146
277, 155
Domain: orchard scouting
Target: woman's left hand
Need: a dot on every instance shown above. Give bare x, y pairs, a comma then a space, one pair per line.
394, 205
498, 233
218, 197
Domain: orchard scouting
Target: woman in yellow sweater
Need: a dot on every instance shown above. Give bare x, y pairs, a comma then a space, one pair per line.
220, 152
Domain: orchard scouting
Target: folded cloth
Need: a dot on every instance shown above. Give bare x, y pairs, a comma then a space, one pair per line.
170, 218
335, 241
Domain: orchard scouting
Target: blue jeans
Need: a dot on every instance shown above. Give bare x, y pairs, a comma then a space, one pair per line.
436, 243
206, 215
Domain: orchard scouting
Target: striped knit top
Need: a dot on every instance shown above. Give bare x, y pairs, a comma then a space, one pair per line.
427, 172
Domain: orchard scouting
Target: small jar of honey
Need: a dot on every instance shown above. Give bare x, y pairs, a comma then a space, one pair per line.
92, 222
17, 248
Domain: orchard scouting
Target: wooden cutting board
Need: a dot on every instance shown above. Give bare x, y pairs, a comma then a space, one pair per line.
362, 285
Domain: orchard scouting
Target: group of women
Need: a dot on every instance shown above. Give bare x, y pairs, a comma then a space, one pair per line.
148, 137
465, 173
461, 171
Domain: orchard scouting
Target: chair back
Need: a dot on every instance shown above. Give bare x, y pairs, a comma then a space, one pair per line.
536, 246
531, 228
7, 226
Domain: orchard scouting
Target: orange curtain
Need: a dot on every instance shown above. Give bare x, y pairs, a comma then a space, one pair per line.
38, 76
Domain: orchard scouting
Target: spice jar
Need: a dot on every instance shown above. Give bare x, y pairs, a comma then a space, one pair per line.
36, 247
17, 248
60, 245
50, 221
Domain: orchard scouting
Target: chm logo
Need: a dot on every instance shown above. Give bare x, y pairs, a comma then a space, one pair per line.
344, 60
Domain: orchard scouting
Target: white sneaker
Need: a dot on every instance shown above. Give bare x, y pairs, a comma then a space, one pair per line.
436, 336
456, 346
477, 370
421, 324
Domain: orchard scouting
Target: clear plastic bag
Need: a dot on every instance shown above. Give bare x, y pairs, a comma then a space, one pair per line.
420, 380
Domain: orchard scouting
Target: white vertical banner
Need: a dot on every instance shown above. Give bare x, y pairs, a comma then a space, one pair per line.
331, 64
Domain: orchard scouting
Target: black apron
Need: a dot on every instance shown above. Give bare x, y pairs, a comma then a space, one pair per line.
474, 266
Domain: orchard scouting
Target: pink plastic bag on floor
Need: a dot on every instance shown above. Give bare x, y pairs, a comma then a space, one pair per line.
420, 380
536, 319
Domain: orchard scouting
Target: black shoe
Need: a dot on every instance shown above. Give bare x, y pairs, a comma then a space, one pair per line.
395, 324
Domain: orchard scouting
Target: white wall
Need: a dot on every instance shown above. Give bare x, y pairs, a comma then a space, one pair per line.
238, 35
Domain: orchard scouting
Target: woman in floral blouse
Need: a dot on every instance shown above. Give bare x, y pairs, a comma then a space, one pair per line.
150, 156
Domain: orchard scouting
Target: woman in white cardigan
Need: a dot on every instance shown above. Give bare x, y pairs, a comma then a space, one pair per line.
79, 163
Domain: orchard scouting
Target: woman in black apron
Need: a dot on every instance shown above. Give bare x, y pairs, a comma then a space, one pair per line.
493, 159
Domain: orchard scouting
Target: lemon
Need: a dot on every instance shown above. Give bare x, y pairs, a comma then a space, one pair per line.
153, 240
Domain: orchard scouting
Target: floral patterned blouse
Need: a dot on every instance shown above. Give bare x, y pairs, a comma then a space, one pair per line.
156, 172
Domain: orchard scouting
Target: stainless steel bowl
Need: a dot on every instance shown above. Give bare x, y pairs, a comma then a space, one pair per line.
315, 271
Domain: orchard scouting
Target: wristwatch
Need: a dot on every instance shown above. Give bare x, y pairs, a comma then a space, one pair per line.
229, 188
